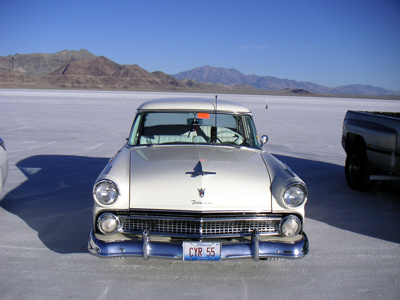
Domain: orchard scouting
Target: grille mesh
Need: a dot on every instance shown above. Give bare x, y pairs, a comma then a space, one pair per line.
199, 227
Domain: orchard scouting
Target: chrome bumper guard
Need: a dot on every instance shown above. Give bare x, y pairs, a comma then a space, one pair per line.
255, 249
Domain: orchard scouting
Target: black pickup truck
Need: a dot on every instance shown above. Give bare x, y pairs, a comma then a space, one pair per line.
372, 144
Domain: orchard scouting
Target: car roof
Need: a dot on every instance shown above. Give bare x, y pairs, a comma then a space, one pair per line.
192, 104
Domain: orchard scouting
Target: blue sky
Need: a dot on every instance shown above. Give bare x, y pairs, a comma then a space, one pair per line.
328, 42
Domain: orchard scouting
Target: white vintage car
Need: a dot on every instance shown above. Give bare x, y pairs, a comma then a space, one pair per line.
194, 183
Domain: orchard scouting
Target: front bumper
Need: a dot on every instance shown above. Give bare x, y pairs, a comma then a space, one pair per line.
145, 248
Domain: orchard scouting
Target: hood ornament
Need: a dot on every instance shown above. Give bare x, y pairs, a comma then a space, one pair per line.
201, 192
198, 170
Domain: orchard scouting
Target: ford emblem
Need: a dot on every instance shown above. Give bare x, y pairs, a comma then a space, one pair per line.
201, 192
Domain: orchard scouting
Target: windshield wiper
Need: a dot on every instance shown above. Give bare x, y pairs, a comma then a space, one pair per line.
172, 143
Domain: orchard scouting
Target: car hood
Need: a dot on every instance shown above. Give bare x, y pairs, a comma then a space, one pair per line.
199, 178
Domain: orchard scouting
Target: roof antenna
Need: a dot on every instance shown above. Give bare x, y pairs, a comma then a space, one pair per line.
214, 130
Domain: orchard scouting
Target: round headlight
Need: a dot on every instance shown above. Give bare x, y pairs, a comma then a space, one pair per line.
294, 195
108, 223
290, 226
105, 192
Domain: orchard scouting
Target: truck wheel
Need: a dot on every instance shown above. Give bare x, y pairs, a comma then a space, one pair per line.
358, 170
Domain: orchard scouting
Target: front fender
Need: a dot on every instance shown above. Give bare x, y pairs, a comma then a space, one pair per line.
281, 177
117, 170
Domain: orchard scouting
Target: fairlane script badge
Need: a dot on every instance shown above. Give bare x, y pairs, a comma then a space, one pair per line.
200, 202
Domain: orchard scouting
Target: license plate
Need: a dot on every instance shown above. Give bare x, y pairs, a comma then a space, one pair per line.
201, 251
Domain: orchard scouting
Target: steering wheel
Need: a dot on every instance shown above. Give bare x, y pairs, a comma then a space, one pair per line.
234, 134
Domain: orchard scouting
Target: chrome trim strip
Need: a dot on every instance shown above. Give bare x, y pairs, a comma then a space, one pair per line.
266, 249
133, 211
206, 110
384, 177
202, 219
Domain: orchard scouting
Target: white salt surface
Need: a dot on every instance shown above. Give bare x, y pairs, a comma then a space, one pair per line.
58, 142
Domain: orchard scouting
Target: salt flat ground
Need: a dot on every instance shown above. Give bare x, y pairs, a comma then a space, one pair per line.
58, 142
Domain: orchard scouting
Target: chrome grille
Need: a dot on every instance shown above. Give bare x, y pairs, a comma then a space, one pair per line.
199, 227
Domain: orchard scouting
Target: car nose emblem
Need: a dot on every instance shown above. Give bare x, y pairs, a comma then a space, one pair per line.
201, 192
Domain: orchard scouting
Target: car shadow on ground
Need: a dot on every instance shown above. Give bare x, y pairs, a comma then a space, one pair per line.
56, 199
331, 201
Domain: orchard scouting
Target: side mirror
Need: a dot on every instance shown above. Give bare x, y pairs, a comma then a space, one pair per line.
263, 140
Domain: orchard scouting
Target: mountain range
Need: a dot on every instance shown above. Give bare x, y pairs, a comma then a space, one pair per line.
78, 70
72, 69
234, 77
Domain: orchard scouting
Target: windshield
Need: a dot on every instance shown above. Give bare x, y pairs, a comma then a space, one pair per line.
158, 128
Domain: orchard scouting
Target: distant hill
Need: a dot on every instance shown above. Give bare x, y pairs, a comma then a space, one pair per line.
41, 63
72, 69
234, 77
84, 70
102, 73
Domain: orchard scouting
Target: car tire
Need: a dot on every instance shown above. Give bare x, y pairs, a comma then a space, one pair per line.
358, 171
